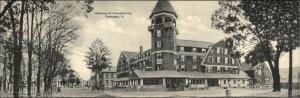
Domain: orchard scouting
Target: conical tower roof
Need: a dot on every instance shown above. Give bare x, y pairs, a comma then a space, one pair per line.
163, 6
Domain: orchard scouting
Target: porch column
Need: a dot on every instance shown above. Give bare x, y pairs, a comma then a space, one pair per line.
205, 82
186, 81
130, 82
142, 82
164, 82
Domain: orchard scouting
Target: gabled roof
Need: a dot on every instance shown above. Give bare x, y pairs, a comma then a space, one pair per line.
129, 54
193, 43
163, 6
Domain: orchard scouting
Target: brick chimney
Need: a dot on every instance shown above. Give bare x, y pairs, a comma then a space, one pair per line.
141, 49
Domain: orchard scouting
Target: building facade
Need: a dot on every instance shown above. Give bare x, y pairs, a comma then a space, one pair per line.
184, 62
261, 75
109, 76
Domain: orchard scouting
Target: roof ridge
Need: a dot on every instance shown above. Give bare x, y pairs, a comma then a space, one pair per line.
194, 40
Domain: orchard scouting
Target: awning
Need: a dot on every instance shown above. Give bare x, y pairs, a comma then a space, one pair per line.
159, 74
122, 79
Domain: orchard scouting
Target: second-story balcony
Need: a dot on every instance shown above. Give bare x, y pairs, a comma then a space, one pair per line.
161, 25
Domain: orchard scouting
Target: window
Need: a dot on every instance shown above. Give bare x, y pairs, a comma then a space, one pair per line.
218, 50
222, 60
158, 20
224, 81
159, 55
154, 81
203, 50
194, 58
234, 81
226, 60
168, 19
182, 57
232, 61
259, 72
195, 67
112, 75
158, 61
211, 59
181, 48
182, 67
194, 49
177, 67
221, 50
218, 59
223, 69
226, 51
158, 33
158, 44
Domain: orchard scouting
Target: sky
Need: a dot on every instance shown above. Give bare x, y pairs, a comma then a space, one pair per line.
129, 32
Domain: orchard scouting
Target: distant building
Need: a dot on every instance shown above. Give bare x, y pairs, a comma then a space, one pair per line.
261, 75
299, 80
109, 76
174, 61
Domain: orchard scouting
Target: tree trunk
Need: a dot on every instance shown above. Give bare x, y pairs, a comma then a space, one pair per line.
4, 72
30, 48
274, 67
276, 78
38, 79
18, 37
39, 55
47, 83
290, 72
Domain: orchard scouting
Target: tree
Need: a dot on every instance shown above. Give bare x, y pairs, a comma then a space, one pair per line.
259, 23
63, 82
8, 5
97, 58
78, 82
72, 79
17, 43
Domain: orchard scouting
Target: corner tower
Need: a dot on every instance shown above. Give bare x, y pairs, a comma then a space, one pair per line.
163, 36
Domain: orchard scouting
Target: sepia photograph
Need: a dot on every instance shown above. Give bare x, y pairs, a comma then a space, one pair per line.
149, 48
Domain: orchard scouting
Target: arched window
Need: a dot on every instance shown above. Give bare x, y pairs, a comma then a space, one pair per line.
168, 19
158, 20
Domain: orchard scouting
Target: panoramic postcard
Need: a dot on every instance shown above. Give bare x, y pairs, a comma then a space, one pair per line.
149, 48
